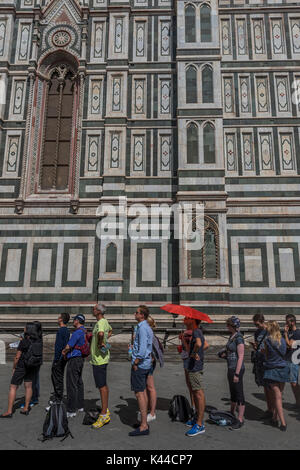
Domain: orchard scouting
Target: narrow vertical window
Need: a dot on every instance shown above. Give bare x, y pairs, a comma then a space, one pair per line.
207, 85
192, 144
204, 263
209, 144
205, 23
190, 24
111, 258
58, 124
191, 85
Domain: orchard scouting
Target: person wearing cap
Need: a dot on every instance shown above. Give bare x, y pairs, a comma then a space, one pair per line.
234, 353
75, 388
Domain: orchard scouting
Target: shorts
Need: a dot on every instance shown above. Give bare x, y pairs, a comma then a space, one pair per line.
23, 374
278, 375
100, 374
139, 379
294, 372
195, 379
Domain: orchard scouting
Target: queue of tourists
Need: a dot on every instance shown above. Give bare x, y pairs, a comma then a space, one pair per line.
273, 359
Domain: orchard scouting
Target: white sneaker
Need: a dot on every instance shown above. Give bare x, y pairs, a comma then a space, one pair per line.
81, 410
150, 417
47, 408
71, 415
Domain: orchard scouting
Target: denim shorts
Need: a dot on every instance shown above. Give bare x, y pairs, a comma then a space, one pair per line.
294, 372
278, 375
139, 379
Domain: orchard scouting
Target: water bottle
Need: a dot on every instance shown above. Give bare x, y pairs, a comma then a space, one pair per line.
129, 352
222, 422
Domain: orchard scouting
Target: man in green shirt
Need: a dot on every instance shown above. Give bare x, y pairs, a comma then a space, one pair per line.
100, 356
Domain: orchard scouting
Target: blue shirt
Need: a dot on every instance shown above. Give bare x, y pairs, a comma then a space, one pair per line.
193, 364
62, 338
77, 339
142, 345
275, 354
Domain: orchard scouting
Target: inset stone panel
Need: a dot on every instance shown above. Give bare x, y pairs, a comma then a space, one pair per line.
253, 265
75, 258
12, 268
148, 265
43, 269
287, 267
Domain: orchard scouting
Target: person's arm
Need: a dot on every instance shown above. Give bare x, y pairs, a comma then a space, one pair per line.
142, 344
197, 346
289, 342
241, 353
16, 359
110, 333
206, 345
72, 342
100, 338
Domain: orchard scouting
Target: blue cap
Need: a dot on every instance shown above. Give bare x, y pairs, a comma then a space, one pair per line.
235, 321
80, 317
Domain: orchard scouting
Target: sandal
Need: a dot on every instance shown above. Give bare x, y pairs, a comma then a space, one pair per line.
25, 413
10, 415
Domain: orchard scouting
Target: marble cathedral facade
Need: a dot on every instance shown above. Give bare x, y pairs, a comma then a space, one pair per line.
151, 101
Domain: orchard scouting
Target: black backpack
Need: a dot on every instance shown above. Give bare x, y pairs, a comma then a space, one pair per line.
34, 354
180, 409
90, 417
56, 422
222, 418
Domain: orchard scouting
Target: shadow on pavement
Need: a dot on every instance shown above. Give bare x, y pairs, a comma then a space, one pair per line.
128, 412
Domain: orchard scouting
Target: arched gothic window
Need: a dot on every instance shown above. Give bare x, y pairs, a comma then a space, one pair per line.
204, 263
191, 85
209, 148
57, 144
205, 23
111, 258
207, 84
190, 24
192, 144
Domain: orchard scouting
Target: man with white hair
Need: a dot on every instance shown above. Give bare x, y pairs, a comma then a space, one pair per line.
100, 356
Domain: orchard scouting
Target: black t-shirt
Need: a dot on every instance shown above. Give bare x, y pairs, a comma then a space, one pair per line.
23, 347
195, 366
293, 335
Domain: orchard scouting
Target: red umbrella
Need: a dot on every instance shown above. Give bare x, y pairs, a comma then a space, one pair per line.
186, 312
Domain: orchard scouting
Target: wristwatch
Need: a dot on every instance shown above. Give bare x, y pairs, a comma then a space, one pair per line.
237, 375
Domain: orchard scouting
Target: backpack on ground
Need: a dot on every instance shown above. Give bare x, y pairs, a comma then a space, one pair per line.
158, 350
56, 422
34, 355
180, 409
91, 417
222, 418
85, 349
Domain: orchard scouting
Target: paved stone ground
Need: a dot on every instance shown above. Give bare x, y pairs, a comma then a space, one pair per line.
22, 432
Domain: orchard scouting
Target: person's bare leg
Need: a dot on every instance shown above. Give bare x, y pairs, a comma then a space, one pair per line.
268, 399
152, 395
188, 383
11, 399
104, 399
278, 403
241, 412
199, 399
232, 408
28, 395
143, 406
296, 391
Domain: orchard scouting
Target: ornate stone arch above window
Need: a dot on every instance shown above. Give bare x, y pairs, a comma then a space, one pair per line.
53, 128
205, 263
